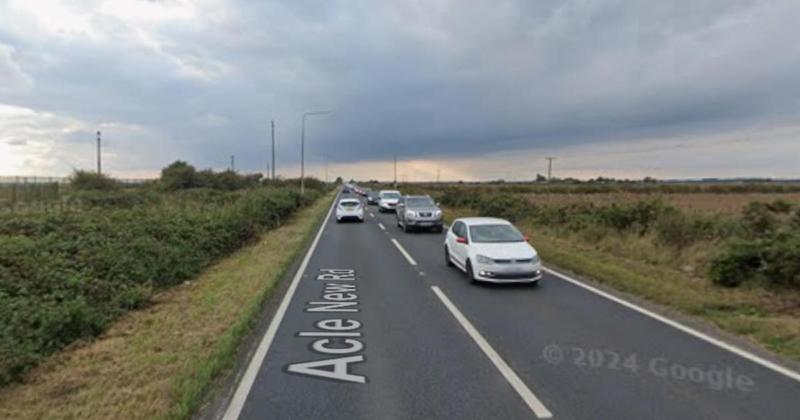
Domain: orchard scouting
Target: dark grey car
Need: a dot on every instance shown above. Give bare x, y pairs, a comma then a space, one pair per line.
418, 212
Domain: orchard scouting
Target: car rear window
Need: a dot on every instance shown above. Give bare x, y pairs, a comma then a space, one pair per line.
390, 195
348, 203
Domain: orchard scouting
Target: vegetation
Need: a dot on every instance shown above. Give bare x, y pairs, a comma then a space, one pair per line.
158, 362
67, 275
85, 180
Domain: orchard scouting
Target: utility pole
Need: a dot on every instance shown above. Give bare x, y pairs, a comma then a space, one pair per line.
99, 164
549, 167
395, 171
233, 163
273, 150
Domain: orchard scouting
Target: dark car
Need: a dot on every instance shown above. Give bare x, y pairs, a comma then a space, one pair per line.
372, 198
418, 212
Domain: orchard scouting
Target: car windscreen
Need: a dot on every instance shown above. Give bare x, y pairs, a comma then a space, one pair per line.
419, 202
348, 203
494, 234
390, 195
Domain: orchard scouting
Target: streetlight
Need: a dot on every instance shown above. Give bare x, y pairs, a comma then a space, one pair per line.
303, 148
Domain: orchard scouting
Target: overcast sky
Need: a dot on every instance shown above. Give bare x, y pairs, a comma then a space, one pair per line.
474, 89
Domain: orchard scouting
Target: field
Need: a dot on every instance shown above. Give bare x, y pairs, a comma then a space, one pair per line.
729, 254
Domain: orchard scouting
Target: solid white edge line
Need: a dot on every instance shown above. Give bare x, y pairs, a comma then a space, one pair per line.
243, 389
711, 340
516, 382
380, 225
403, 251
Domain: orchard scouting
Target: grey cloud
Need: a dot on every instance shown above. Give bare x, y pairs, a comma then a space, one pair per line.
420, 79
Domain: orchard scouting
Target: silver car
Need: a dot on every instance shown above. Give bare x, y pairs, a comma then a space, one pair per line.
418, 212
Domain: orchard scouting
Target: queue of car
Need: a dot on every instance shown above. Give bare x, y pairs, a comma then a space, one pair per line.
486, 249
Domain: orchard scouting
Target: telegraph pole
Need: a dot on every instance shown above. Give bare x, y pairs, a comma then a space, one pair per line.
326, 169
273, 149
549, 167
233, 163
99, 164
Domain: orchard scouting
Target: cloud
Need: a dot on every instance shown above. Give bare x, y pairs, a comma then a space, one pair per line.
429, 81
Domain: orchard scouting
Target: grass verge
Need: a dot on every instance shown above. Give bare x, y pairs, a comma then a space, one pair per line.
157, 362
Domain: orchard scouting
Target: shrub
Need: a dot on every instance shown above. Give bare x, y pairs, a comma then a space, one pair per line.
506, 206
67, 275
737, 263
779, 206
758, 220
84, 180
675, 229
179, 175
781, 260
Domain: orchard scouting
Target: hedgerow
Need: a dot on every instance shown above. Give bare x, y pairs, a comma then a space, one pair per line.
65, 276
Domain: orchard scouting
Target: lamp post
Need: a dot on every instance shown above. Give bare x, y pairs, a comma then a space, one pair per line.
303, 148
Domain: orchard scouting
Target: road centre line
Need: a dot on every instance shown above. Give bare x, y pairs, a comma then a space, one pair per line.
403, 251
697, 334
380, 225
246, 383
513, 379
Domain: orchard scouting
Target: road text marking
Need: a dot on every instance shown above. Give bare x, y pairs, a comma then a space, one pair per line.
533, 403
249, 377
403, 251
711, 340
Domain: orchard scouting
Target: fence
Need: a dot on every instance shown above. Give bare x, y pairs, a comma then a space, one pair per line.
27, 192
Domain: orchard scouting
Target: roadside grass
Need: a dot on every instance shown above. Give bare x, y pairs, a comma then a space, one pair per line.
635, 265
159, 361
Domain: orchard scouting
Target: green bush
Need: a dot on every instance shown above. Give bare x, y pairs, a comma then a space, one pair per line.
506, 206
84, 180
758, 220
64, 276
737, 263
781, 260
779, 206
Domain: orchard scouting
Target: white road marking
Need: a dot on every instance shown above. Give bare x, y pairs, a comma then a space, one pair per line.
243, 390
372, 215
530, 399
711, 340
403, 251
380, 225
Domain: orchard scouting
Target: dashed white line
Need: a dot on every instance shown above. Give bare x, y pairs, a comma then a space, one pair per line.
249, 377
403, 251
711, 340
524, 392
380, 225
372, 215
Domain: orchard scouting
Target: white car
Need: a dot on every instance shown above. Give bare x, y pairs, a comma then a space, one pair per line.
387, 200
349, 209
491, 250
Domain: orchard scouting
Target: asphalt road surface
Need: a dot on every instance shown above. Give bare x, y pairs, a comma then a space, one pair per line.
376, 326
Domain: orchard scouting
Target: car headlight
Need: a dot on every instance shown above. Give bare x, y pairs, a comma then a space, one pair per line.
536, 259
484, 259
410, 213
437, 213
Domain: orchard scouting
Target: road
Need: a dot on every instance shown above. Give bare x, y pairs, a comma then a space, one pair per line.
375, 325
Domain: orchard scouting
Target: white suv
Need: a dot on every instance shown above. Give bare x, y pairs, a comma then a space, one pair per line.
491, 250
387, 200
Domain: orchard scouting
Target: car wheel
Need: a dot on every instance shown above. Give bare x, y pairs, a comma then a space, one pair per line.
405, 228
438, 229
447, 259
470, 273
